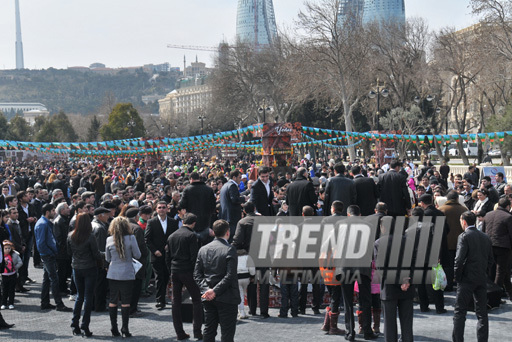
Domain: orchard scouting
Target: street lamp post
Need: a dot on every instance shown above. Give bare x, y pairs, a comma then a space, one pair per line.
201, 118
378, 91
131, 124
263, 109
330, 111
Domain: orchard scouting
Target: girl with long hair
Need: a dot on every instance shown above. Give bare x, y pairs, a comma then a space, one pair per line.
83, 248
120, 249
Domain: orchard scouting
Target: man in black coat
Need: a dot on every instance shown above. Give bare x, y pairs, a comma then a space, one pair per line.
340, 188
300, 193
157, 232
231, 201
395, 297
181, 256
472, 263
498, 226
393, 190
27, 219
199, 199
366, 190
60, 232
262, 194
427, 203
215, 273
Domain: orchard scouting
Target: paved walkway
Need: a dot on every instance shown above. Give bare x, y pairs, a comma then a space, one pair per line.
32, 324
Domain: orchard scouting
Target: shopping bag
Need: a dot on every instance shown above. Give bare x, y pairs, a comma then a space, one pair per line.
439, 280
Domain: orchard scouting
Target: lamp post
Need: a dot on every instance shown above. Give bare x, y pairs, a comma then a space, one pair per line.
263, 109
376, 92
131, 124
330, 111
201, 118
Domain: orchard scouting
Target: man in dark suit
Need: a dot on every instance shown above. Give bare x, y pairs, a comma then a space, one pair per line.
340, 188
472, 262
231, 201
426, 202
156, 234
393, 190
182, 249
215, 273
367, 192
5, 193
262, 194
27, 219
300, 193
394, 297
199, 199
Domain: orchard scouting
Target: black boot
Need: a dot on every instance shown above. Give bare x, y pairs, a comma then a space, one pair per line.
3, 324
125, 314
113, 321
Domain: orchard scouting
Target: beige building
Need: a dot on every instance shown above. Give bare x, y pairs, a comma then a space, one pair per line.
182, 106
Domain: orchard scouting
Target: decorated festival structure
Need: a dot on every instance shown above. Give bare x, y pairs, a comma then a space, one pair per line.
246, 139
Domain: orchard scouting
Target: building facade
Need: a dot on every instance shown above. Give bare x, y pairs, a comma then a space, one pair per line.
384, 11
350, 11
256, 22
182, 106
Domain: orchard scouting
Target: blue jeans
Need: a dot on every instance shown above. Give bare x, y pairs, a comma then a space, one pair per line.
50, 278
85, 279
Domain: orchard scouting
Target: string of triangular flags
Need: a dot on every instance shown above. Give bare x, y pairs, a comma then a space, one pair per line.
244, 138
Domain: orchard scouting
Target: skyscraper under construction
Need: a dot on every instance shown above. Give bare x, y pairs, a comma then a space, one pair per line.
256, 22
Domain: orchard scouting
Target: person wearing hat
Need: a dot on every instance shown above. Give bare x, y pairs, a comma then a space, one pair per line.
132, 214
100, 232
426, 202
145, 212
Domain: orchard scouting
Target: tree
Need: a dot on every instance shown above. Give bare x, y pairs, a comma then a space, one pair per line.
408, 122
19, 129
57, 128
123, 122
458, 63
335, 58
94, 129
499, 123
4, 126
248, 79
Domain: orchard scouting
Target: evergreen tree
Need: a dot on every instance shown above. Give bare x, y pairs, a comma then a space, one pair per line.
94, 129
123, 122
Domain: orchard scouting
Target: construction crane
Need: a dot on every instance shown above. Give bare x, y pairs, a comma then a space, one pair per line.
193, 47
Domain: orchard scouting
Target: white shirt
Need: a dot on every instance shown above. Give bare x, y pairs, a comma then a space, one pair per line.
164, 224
267, 186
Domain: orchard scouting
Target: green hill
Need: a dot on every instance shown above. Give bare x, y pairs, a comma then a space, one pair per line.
82, 92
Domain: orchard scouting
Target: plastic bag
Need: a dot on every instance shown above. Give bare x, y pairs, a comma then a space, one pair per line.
439, 281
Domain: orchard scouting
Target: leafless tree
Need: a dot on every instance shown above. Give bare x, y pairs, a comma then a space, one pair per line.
457, 62
334, 57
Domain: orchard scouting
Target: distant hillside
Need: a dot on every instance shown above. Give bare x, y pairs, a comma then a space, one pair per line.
81, 92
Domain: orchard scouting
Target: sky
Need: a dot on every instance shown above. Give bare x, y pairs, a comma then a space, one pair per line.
124, 33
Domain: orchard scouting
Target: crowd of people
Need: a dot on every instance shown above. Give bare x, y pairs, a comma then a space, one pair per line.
109, 232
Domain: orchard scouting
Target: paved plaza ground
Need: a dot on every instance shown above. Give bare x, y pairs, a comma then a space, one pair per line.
152, 325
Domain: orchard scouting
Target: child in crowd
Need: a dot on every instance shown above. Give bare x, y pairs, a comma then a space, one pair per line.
9, 273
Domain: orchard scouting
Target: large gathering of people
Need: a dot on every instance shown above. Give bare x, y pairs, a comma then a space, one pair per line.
109, 232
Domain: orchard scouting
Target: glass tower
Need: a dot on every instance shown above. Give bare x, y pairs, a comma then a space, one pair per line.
350, 11
384, 10
256, 22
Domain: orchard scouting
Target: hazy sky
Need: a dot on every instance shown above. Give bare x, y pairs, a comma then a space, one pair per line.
63, 33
